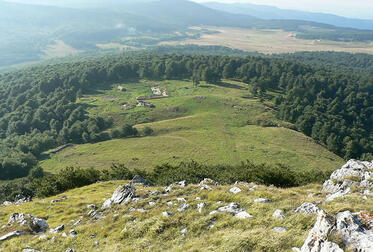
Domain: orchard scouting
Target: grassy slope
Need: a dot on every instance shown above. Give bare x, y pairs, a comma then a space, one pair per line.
213, 130
123, 230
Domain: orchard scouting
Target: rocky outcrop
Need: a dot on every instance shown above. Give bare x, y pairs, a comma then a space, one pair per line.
354, 175
353, 234
36, 224
317, 237
122, 195
138, 180
346, 230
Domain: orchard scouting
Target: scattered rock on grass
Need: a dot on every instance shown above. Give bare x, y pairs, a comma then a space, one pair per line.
235, 190
122, 195
279, 214
261, 200
307, 208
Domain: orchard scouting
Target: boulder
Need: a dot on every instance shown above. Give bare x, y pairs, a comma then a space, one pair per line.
11, 235
122, 195
353, 229
138, 180
278, 214
307, 208
356, 235
235, 190
206, 187
7, 203
38, 225
353, 173
317, 238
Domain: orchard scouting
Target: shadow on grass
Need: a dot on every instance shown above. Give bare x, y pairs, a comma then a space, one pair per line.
228, 85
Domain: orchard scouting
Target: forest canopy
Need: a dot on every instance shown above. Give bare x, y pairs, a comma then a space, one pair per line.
38, 108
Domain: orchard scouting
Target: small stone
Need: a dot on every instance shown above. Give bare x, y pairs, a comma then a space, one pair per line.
73, 232
208, 181
152, 203
184, 231
279, 229
200, 206
140, 210
11, 235
279, 214
213, 212
243, 215
183, 207
92, 206
169, 203
30, 250
198, 198
235, 190
253, 188
167, 214
206, 187
261, 200
58, 229
64, 234
70, 250
96, 244
43, 237
181, 200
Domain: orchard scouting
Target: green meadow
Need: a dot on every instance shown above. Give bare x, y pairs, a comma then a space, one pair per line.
211, 124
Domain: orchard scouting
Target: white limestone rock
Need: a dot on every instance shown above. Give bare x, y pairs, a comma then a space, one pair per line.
122, 195
307, 208
261, 200
235, 190
200, 206
183, 207
279, 229
355, 234
278, 214
316, 240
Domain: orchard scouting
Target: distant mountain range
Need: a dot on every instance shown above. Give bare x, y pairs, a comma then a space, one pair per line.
270, 12
27, 30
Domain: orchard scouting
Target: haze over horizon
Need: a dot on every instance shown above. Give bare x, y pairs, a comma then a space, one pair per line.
352, 9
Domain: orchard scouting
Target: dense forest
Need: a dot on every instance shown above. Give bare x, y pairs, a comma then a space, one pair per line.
38, 108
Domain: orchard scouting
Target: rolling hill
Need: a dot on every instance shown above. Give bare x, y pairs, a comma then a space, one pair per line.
213, 124
35, 32
270, 12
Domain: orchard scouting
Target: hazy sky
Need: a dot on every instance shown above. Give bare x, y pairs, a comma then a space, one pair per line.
349, 8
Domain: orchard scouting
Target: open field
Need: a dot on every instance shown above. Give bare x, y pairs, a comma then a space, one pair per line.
213, 124
59, 49
270, 42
